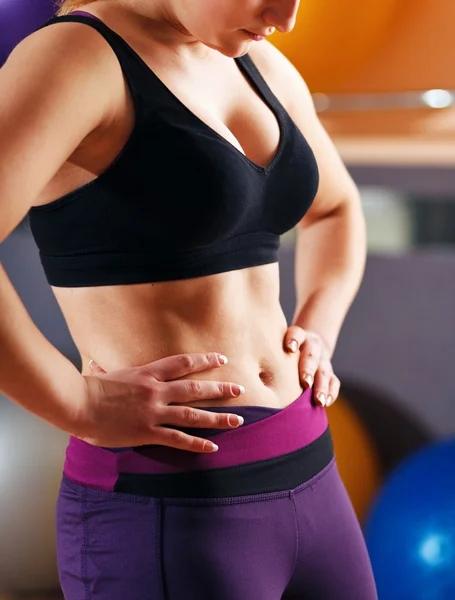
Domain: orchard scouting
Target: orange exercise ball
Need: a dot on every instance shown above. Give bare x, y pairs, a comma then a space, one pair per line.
358, 461
332, 39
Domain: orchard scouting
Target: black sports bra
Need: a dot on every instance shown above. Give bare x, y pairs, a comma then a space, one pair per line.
179, 201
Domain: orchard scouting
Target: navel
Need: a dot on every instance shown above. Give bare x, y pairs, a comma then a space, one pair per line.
266, 373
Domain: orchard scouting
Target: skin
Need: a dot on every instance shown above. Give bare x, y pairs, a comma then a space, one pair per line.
190, 45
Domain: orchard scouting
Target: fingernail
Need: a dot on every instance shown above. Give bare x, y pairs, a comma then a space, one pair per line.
239, 390
210, 447
308, 379
329, 400
293, 345
223, 359
236, 420
91, 364
321, 398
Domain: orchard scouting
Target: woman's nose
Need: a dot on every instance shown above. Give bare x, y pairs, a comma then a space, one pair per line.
281, 14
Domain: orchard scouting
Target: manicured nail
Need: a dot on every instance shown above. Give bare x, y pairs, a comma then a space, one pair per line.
91, 364
308, 379
321, 398
223, 359
329, 400
293, 345
210, 447
236, 420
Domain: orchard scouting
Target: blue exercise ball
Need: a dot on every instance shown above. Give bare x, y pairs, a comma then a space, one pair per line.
18, 18
410, 530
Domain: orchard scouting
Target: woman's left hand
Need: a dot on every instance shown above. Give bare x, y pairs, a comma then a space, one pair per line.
315, 365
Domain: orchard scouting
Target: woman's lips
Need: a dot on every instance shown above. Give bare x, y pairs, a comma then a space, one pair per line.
254, 36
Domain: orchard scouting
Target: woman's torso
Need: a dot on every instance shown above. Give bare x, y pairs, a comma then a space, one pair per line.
238, 312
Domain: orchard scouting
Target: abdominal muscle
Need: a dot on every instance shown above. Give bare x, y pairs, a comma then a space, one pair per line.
236, 313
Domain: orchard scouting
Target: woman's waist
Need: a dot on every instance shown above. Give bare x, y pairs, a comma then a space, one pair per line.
269, 382
256, 360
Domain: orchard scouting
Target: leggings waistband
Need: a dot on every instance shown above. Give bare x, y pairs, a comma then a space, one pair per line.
284, 472
277, 436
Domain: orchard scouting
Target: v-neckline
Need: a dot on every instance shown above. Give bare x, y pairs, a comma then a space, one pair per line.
239, 61
273, 161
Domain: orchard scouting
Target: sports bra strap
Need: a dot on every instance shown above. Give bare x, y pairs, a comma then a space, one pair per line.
132, 66
254, 76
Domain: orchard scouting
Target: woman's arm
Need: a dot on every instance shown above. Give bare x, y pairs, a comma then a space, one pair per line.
329, 265
49, 103
331, 238
331, 246
33, 372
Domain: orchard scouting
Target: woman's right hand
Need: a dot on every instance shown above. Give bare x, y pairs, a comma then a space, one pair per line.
127, 407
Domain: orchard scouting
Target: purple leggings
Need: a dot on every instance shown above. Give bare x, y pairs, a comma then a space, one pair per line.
264, 518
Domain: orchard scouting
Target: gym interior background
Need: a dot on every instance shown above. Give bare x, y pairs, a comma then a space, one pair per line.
383, 78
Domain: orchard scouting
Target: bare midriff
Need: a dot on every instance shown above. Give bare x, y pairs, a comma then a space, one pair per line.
237, 313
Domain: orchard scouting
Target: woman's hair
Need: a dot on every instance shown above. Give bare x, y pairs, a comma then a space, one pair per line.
67, 6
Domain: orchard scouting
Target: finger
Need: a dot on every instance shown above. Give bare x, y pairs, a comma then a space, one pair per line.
309, 361
334, 390
179, 365
188, 390
187, 416
178, 439
95, 368
322, 382
294, 338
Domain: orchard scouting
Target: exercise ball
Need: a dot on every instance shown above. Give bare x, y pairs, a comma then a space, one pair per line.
31, 463
18, 18
410, 530
331, 39
358, 461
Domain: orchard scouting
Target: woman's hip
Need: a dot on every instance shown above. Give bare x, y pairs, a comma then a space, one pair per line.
114, 545
158, 522
275, 450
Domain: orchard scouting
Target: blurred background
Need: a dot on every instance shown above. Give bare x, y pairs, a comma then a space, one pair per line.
383, 78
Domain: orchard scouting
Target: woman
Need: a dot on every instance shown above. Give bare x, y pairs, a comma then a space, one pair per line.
161, 148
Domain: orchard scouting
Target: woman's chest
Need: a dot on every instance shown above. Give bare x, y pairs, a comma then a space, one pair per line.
231, 111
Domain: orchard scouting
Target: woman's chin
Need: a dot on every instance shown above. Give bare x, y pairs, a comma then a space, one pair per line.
232, 48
